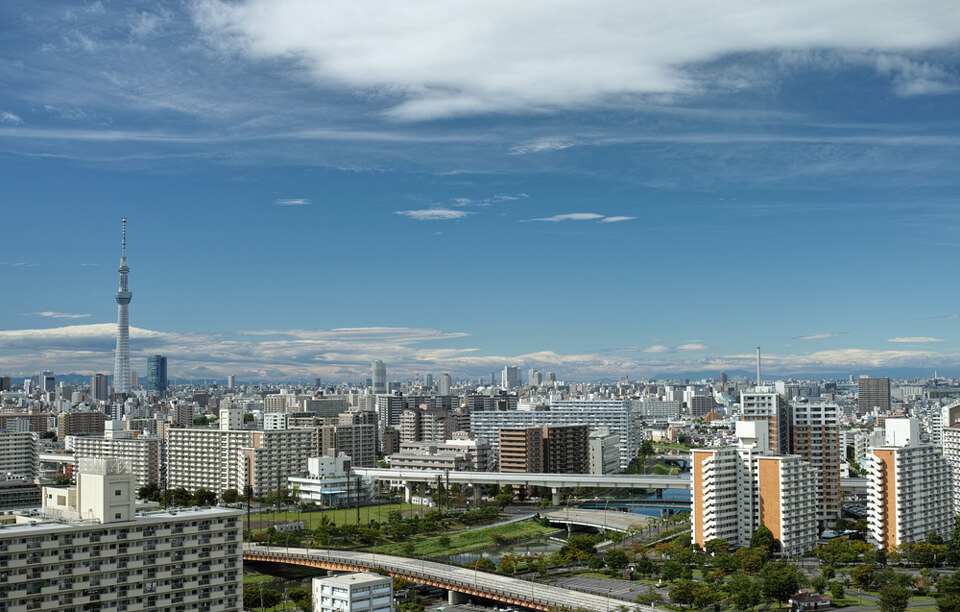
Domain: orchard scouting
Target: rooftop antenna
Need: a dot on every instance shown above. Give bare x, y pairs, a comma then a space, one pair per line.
758, 367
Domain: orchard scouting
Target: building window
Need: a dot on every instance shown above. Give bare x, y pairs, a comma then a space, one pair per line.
117, 492
117, 515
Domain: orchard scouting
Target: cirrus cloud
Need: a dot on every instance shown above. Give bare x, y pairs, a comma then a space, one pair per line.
433, 214
915, 339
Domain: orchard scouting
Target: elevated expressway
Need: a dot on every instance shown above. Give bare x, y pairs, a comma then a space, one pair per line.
453, 578
554, 482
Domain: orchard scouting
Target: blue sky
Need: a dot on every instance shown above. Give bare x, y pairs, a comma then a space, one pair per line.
619, 188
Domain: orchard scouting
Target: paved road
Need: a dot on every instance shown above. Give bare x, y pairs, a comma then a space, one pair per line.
601, 519
451, 577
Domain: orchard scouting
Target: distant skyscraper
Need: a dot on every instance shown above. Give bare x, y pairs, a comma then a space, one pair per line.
444, 384
47, 382
379, 377
511, 377
100, 387
551, 377
232, 382
428, 381
121, 365
873, 393
157, 375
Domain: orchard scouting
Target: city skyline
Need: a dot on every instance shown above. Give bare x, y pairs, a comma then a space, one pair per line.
628, 204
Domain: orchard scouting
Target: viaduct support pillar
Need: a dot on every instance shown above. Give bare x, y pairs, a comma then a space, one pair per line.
407, 492
555, 492
456, 597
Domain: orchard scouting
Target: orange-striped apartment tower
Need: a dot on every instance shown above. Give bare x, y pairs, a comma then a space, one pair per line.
910, 488
738, 488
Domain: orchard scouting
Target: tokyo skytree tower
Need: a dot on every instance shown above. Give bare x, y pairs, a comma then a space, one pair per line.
121, 366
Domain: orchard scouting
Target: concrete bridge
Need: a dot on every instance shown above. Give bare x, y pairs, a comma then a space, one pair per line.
460, 582
598, 519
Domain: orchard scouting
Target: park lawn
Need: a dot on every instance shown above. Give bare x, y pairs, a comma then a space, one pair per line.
430, 546
337, 517
660, 469
254, 578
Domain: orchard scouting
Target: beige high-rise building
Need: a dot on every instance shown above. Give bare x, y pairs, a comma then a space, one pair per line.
737, 489
911, 488
554, 449
80, 423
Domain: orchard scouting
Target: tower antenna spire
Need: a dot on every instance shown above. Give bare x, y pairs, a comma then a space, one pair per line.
121, 365
123, 244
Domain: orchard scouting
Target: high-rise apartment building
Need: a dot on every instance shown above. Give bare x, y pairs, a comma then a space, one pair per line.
80, 423
358, 440
47, 382
910, 488
379, 377
511, 378
100, 387
560, 449
604, 451
734, 490
816, 438
619, 416
91, 550
142, 454
19, 455
763, 405
873, 393
950, 434
444, 384
121, 368
219, 460
157, 375
389, 409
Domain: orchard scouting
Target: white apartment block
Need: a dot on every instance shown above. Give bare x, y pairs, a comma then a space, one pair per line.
910, 488
737, 489
604, 451
361, 592
619, 416
328, 483
220, 460
142, 453
764, 405
90, 550
651, 409
20, 455
461, 455
950, 436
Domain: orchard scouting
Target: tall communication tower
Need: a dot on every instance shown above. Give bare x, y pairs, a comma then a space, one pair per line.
121, 365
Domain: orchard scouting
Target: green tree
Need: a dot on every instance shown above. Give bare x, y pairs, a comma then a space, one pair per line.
780, 580
745, 592
505, 496
230, 496
763, 539
63, 481
716, 546
934, 538
836, 591
204, 497
301, 597
650, 598
202, 420
948, 602
616, 559
683, 592
645, 566
444, 541
893, 598
484, 564
862, 576
149, 491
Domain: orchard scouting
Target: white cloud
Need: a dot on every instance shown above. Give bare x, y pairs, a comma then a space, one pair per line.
658, 348
292, 202
345, 354
583, 217
539, 145
433, 214
915, 339
8, 118
59, 315
822, 336
571, 217
444, 59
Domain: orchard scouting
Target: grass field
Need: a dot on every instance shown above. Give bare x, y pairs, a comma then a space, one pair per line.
337, 517
431, 546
